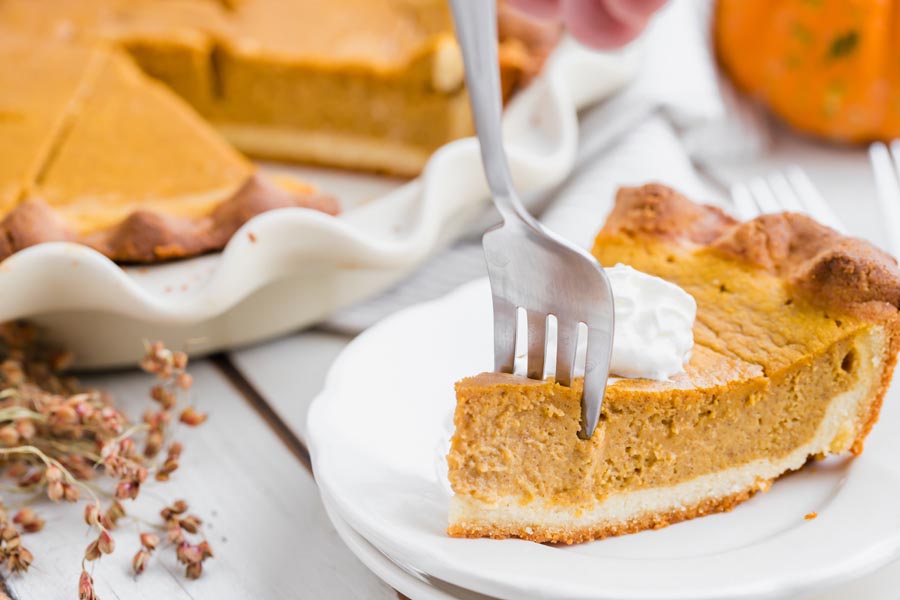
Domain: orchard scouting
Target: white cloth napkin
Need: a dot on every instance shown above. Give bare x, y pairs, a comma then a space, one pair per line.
675, 112
649, 152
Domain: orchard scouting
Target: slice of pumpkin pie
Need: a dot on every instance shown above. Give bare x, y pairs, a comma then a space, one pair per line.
96, 152
795, 342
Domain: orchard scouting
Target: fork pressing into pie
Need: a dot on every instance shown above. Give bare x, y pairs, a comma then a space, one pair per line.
528, 266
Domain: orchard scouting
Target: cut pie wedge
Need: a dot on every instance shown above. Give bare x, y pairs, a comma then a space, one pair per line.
107, 157
796, 340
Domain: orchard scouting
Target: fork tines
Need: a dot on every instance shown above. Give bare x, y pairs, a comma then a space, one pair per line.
790, 190
886, 165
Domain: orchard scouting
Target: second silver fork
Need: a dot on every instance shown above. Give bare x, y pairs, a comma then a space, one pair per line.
790, 190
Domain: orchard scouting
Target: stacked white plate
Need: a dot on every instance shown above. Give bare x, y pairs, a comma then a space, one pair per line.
380, 431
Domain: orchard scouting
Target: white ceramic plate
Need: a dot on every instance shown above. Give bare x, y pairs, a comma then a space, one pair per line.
379, 433
409, 583
881, 585
303, 264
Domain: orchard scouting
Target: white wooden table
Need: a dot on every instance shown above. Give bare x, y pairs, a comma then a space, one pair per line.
247, 472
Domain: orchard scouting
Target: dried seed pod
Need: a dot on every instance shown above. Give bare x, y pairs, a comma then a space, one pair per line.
205, 549
9, 436
19, 560
140, 474
148, 365
126, 489
193, 570
139, 562
25, 558
190, 417
92, 552
175, 535
53, 474
84, 411
179, 359
86, 587
191, 523
176, 508
188, 554
108, 523
156, 349
175, 449
184, 381
92, 514
126, 447
26, 429
63, 416
116, 511
55, 491
29, 520
70, 493
149, 541
106, 543
153, 444
165, 398
79, 467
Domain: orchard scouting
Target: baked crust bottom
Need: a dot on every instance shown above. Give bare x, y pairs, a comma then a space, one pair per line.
542, 520
511, 528
328, 148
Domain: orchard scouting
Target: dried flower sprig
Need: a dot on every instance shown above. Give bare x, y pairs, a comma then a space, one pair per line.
56, 437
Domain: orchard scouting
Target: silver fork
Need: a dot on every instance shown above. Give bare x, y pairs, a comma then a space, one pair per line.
529, 266
790, 190
886, 165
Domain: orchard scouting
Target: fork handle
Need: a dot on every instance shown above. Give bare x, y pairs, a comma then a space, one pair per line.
476, 31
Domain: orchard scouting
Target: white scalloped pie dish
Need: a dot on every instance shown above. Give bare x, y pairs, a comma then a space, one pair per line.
299, 265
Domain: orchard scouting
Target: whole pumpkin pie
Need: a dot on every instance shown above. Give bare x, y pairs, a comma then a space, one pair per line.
796, 339
94, 151
362, 84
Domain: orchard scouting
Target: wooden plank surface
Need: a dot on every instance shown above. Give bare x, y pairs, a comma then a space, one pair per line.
289, 372
262, 510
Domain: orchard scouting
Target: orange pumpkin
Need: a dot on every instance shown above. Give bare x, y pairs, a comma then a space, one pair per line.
828, 67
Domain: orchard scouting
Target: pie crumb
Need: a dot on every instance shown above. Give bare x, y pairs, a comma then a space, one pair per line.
811, 516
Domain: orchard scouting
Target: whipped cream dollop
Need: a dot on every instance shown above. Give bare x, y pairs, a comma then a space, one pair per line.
654, 325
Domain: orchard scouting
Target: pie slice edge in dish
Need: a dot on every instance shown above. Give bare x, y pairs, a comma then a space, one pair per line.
132, 172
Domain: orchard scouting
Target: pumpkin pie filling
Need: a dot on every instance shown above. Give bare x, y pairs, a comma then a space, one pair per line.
795, 344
